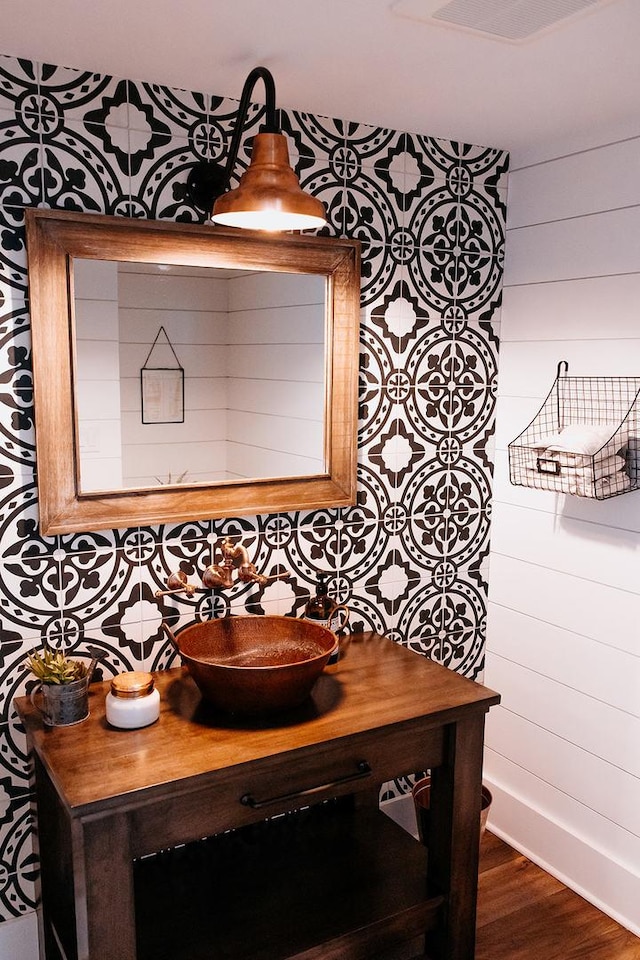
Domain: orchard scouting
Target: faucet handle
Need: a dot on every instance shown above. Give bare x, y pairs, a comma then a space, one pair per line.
248, 574
177, 583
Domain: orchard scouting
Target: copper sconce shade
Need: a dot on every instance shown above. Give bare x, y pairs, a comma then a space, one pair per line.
269, 195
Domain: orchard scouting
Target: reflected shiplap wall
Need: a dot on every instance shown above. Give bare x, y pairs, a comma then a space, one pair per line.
174, 320
276, 375
563, 645
251, 352
410, 557
97, 381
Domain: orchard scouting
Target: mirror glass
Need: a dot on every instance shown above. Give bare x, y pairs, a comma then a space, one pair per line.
185, 372
197, 374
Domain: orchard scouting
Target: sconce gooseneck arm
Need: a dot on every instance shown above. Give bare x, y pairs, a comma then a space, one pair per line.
208, 179
270, 125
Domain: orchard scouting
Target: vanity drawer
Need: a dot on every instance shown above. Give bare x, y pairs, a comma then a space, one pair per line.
276, 784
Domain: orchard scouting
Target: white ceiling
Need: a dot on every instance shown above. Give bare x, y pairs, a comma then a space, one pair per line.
571, 87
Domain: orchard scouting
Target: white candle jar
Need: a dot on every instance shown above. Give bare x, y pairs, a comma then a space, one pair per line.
132, 701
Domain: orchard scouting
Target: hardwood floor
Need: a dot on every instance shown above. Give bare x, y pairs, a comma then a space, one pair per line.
526, 914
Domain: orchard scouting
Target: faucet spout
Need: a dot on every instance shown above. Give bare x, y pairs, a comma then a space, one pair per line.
220, 575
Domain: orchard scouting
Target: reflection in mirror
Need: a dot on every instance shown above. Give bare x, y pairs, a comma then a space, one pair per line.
305, 461
252, 347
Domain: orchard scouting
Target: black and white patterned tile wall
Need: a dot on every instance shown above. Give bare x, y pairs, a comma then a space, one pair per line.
410, 558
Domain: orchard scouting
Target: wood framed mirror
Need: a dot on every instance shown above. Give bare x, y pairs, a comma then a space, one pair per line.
272, 383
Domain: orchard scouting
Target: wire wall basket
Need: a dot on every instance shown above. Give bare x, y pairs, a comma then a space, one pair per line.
584, 440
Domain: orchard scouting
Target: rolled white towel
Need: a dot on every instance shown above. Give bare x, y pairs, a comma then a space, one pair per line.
579, 438
605, 486
579, 464
579, 483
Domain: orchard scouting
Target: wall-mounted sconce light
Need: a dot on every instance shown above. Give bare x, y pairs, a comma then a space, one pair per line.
269, 196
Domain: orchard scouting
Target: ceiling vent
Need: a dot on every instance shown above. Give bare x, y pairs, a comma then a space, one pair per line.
512, 20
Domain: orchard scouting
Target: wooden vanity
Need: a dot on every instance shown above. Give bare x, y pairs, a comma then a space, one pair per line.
300, 863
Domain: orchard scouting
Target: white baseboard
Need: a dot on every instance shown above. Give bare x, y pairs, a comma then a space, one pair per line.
609, 885
19, 938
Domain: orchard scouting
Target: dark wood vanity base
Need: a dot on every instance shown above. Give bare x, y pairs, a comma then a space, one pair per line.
299, 863
306, 882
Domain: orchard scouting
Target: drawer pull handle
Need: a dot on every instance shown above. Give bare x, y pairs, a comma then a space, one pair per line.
364, 770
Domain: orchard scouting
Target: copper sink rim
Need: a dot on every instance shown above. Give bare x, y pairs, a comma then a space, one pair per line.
220, 664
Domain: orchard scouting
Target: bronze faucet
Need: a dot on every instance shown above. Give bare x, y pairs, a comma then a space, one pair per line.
219, 576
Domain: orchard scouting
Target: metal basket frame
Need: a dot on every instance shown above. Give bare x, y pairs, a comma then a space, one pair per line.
593, 401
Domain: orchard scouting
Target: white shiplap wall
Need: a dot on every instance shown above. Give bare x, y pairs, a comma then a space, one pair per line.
563, 648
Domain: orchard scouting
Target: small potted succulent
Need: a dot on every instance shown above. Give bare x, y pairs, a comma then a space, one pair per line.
63, 684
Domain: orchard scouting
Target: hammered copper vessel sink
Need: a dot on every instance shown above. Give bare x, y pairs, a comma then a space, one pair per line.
253, 664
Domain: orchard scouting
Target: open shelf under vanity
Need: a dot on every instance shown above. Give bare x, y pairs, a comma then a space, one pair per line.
332, 880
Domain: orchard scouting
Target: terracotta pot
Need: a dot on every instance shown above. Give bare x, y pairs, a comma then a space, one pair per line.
422, 799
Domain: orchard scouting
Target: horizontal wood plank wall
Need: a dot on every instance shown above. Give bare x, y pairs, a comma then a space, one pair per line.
276, 371
563, 648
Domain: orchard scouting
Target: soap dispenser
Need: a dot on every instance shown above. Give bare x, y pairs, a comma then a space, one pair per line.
323, 610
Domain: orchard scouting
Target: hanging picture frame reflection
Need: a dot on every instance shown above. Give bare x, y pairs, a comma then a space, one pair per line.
162, 394
161, 387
